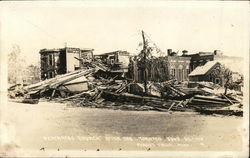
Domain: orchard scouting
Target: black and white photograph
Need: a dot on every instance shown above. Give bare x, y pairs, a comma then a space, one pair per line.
124, 78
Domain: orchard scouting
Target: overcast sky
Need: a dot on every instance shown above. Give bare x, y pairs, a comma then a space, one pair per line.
193, 26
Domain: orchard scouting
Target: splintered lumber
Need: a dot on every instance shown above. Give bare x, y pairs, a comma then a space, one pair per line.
30, 101
175, 90
122, 88
220, 112
185, 102
127, 97
202, 85
53, 93
212, 99
179, 104
189, 101
207, 101
78, 95
44, 83
178, 90
227, 99
100, 66
201, 102
236, 99
161, 109
171, 106
72, 77
25, 100
53, 83
98, 95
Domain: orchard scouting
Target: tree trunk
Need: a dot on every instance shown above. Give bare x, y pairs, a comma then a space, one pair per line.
226, 87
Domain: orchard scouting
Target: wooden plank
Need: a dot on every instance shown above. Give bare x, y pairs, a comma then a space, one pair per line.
77, 95
179, 104
205, 86
49, 81
176, 91
210, 98
160, 109
201, 101
56, 84
227, 99
171, 106
53, 93
122, 88
190, 100
98, 95
185, 102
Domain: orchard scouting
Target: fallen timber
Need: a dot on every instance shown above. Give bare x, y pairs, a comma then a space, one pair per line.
220, 111
53, 84
113, 94
154, 102
214, 99
42, 84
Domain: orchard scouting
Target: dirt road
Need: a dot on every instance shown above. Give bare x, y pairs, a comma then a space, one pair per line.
57, 126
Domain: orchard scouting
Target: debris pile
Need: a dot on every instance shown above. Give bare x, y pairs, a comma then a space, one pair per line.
90, 89
210, 99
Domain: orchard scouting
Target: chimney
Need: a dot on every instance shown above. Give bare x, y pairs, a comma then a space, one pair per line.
169, 52
217, 52
184, 52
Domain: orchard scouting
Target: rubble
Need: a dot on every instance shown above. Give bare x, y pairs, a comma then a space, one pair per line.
99, 85
99, 92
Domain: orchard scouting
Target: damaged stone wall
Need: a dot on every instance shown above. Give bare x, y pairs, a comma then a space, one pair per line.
157, 69
160, 69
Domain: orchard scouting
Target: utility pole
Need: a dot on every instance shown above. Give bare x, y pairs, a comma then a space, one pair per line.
144, 51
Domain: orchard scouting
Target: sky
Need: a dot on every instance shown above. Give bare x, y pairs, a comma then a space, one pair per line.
116, 25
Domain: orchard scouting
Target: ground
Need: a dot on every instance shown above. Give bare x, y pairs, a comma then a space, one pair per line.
54, 126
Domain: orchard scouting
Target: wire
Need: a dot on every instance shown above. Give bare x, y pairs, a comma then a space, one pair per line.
34, 25
158, 50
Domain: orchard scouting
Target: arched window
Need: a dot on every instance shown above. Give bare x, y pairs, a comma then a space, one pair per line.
180, 73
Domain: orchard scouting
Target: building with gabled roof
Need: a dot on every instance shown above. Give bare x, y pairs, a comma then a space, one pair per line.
117, 61
205, 73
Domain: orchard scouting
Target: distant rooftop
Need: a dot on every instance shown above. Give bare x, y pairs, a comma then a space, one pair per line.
215, 53
59, 49
206, 53
122, 51
202, 70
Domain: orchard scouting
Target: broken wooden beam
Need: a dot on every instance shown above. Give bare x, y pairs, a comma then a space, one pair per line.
227, 99
62, 81
171, 106
78, 95
211, 98
207, 102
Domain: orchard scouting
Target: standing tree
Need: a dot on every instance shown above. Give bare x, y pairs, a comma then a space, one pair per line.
147, 66
145, 55
32, 74
15, 66
225, 75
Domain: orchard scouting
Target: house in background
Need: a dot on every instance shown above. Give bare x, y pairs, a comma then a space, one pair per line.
198, 59
62, 60
117, 61
206, 73
86, 55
